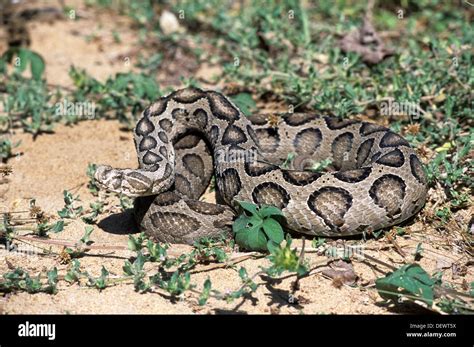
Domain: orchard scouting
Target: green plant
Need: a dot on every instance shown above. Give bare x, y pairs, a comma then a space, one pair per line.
22, 57
70, 209
258, 226
6, 147
409, 280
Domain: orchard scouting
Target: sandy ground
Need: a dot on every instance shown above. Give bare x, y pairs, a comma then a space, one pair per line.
53, 163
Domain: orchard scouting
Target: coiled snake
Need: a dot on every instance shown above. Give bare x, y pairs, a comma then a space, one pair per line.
185, 138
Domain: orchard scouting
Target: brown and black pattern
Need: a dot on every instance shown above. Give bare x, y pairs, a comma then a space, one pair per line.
257, 168
378, 180
370, 128
270, 193
201, 117
163, 222
331, 204
353, 176
144, 127
188, 95
148, 142
341, 147
222, 108
393, 158
307, 141
160, 107
180, 115
194, 164
233, 135
268, 139
300, 178
417, 169
229, 184
364, 151
204, 208
151, 158
297, 119
337, 123
388, 192
393, 140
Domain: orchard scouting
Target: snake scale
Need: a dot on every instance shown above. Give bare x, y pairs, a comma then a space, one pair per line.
375, 179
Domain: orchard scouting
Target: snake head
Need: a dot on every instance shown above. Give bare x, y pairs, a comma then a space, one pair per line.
132, 183
109, 178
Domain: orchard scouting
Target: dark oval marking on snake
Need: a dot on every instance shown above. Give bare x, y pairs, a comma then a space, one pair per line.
353, 176
214, 134
151, 158
144, 127
331, 204
222, 108
204, 207
270, 193
194, 164
201, 117
417, 169
258, 119
148, 142
166, 199
268, 139
363, 151
300, 178
164, 151
338, 123
187, 142
388, 192
233, 135
296, 119
188, 95
257, 168
341, 148
252, 134
159, 106
370, 128
393, 158
229, 184
163, 137
180, 114
393, 140
183, 186
166, 124
307, 141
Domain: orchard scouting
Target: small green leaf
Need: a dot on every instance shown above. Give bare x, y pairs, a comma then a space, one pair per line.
240, 223
248, 206
267, 211
410, 279
257, 240
273, 230
58, 226
86, 237
205, 292
37, 65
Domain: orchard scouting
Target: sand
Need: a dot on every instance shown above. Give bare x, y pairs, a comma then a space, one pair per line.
55, 162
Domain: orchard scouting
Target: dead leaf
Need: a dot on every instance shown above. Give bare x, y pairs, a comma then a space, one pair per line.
341, 273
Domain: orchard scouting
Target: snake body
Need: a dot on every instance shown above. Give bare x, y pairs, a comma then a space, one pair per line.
183, 139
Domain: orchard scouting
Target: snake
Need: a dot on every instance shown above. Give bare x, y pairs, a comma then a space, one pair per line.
373, 180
